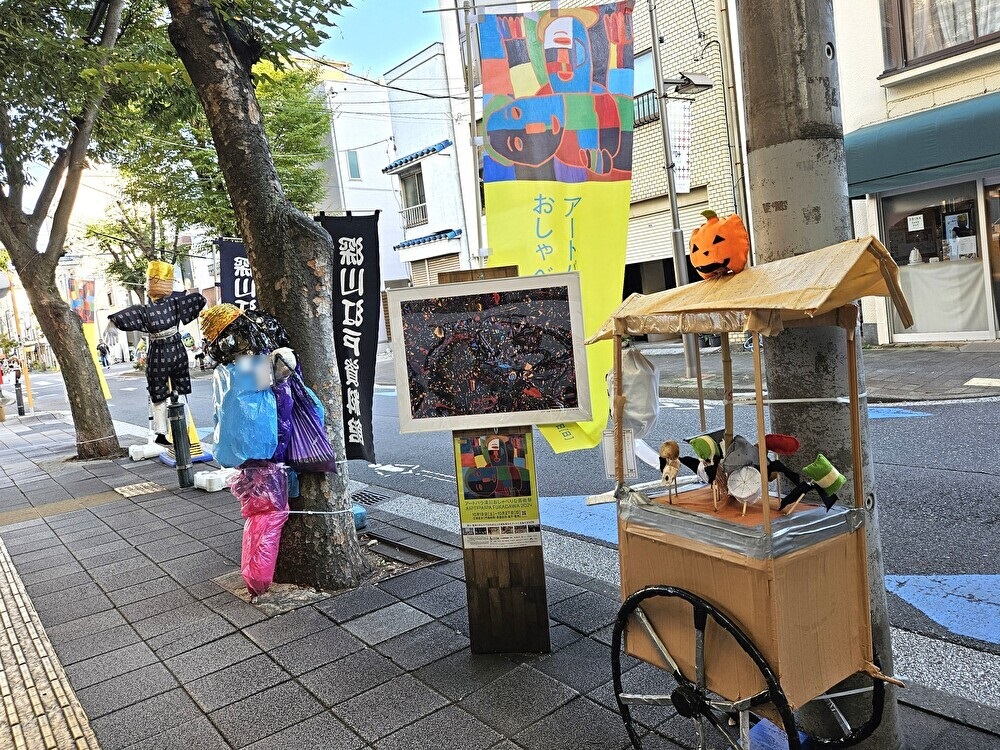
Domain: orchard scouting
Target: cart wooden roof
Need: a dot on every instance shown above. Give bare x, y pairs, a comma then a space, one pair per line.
815, 288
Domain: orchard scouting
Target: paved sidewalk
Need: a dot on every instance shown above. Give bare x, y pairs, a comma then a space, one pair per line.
127, 580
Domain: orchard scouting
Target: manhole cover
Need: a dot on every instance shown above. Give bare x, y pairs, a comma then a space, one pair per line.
143, 488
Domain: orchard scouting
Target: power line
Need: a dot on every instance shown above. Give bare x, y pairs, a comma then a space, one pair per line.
327, 64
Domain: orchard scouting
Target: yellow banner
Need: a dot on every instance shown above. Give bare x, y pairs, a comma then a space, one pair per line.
554, 227
90, 333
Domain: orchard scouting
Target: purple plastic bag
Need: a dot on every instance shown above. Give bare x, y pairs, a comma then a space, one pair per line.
283, 400
262, 490
308, 449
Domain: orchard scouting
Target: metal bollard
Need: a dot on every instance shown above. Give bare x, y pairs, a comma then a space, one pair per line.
19, 395
182, 448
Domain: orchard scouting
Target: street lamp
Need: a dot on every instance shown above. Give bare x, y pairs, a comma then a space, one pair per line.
685, 83
690, 83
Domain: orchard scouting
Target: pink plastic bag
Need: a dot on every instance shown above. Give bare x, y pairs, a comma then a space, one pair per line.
262, 490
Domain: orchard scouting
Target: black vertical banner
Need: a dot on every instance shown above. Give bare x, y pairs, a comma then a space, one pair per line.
237, 285
357, 304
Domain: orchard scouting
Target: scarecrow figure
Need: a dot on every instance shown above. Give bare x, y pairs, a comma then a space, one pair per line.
167, 360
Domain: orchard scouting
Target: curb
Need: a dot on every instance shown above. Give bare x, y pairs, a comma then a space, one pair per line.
952, 708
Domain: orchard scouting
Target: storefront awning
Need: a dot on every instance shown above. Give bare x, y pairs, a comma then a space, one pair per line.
939, 143
447, 234
415, 156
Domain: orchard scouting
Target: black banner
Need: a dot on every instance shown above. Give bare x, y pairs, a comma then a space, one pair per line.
357, 304
237, 285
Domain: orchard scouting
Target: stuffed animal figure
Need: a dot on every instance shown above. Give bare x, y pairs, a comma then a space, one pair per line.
709, 451
824, 478
719, 247
670, 465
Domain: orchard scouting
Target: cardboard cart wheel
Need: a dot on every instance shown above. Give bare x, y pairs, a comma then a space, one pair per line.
730, 720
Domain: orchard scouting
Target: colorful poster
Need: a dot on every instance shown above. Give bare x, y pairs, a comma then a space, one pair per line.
80, 295
497, 491
356, 308
497, 352
557, 163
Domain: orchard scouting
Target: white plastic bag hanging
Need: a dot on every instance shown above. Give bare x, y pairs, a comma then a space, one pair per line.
641, 389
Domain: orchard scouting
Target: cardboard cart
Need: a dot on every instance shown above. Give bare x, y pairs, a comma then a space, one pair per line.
754, 611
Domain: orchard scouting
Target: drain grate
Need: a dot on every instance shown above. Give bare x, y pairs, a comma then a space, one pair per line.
143, 488
370, 496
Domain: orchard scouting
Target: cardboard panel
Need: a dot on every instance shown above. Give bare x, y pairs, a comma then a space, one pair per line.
804, 611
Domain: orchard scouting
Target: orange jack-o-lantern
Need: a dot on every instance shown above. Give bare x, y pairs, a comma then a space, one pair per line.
719, 247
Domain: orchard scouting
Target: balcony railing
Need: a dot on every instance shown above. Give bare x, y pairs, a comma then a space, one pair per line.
646, 108
414, 216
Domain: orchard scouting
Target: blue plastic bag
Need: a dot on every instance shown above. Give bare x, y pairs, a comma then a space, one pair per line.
246, 416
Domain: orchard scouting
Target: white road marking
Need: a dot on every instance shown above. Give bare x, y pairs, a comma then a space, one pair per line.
984, 382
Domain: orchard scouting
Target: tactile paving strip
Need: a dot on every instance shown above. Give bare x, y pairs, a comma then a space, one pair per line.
40, 709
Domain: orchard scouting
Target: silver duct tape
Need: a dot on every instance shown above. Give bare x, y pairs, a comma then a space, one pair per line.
788, 533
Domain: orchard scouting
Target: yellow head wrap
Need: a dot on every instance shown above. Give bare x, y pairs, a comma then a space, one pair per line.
213, 320
159, 279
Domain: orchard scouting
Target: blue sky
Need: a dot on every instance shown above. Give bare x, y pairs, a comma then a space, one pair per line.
375, 35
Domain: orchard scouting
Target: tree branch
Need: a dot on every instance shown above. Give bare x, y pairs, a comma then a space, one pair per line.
13, 166
80, 142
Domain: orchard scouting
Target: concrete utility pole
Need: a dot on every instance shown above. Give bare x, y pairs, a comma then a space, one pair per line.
798, 193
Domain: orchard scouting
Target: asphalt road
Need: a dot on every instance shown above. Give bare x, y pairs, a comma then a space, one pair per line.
938, 489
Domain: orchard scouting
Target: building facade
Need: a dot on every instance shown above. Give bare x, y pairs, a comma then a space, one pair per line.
425, 166
920, 84
360, 142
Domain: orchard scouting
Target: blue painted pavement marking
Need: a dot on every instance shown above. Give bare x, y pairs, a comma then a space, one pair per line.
571, 513
967, 605
893, 412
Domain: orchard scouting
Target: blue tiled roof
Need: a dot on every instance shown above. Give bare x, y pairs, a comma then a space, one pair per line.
446, 234
416, 155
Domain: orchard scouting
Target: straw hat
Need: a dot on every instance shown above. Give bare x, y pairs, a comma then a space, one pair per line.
214, 320
159, 279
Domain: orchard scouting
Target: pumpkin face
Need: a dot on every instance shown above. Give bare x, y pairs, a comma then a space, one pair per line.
719, 247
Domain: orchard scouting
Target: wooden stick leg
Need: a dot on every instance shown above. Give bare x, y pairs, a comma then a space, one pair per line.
793, 506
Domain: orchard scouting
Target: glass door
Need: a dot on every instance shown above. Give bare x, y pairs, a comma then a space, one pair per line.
992, 193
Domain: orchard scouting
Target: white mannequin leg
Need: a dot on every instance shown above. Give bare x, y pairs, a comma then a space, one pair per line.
160, 418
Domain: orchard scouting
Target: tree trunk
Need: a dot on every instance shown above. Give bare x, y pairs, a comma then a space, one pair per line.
291, 257
19, 231
798, 194
63, 329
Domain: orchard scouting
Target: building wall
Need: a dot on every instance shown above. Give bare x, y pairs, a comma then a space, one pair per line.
871, 96
421, 112
868, 100
679, 23
360, 122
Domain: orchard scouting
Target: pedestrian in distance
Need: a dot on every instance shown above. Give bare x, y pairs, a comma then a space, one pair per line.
102, 350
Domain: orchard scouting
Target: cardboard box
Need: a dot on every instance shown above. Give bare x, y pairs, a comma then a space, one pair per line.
806, 611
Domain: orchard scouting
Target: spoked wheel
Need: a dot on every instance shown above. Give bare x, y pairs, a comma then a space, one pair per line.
859, 687
712, 715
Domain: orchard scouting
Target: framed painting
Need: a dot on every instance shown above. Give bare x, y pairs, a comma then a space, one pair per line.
493, 353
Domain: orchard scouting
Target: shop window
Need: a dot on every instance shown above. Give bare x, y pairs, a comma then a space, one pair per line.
933, 236
938, 223
919, 31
